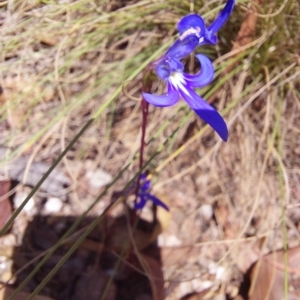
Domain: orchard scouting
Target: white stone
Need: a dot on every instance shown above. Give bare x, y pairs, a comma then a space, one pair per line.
216, 270
53, 205
220, 274
199, 285
168, 241
185, 288
206, 284
195, 285
98, 178
206, 211
30, 205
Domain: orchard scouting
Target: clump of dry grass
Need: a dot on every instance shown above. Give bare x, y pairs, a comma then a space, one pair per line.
60, 64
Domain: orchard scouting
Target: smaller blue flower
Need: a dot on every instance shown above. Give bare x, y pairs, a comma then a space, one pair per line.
193, 24
193, 32
180, 84
144, 195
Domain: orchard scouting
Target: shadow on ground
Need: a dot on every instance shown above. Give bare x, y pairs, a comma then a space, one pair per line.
94, 270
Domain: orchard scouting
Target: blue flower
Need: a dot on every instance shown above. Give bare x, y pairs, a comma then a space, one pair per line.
193, 32
144, 195
180, 84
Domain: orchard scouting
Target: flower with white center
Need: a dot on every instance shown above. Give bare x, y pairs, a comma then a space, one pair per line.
193, 32
193, 24
180, 84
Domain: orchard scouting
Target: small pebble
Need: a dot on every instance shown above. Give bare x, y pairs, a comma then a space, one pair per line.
53, 205
8, 240
98, 178
217, 270
168, 241
206, 211
29, 208
185, 288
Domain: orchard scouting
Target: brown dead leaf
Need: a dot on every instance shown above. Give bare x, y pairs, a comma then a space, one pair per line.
48, 40
226, 220
246, 255
247, 30
5, 206
155, 276
267, 276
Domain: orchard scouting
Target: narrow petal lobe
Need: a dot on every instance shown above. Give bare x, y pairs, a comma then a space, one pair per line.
205, 76
222, 17
156, 201
207, 113
168, 99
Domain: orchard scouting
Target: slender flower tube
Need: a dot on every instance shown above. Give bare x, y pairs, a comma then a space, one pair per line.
144, 195
180, 84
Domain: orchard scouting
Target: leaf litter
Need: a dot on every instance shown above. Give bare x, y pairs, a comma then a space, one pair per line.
226, 179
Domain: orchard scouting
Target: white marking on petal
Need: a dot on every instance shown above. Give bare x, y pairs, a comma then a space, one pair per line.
191, 30
178, 82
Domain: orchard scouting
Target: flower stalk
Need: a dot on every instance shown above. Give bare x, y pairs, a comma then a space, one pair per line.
146, 88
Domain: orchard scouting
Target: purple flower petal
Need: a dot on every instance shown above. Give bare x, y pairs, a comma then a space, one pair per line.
222, 18
183, 47
191, 21
175, 64
166, 66
163, 70
209, 38
142, 202
168, 99
156, 201
205, 76
143, 176
145, 185
206, 112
